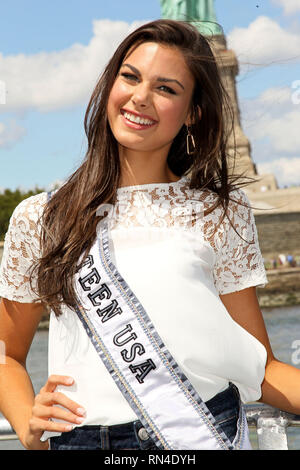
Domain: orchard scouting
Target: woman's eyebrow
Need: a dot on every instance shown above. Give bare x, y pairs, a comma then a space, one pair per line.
159, 79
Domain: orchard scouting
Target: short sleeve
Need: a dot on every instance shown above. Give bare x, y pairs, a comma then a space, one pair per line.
239, 263
21, 249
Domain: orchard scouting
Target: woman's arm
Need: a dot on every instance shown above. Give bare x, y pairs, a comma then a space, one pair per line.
29, 414
281, 385
18, 324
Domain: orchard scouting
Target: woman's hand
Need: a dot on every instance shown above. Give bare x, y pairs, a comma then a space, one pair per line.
43, 410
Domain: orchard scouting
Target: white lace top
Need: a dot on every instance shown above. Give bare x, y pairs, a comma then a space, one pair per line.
177, 264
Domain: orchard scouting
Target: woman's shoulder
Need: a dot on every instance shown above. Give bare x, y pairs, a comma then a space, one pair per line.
239, 195
239, 205
21, 248
238, 198
30, 209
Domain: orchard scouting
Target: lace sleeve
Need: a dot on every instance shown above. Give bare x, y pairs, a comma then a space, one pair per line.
239, 261
21, 248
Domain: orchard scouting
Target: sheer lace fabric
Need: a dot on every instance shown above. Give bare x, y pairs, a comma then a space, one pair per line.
238, 262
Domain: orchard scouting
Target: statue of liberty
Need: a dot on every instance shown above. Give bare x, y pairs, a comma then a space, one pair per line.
200, 12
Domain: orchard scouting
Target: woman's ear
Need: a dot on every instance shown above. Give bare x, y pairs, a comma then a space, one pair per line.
191, 117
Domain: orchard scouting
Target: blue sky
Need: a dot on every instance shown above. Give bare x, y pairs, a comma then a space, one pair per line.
49, 56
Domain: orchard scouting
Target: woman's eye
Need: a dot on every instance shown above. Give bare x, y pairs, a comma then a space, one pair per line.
129, 76
167, 89
134, 78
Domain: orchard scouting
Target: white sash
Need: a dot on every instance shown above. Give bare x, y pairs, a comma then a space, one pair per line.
161, 396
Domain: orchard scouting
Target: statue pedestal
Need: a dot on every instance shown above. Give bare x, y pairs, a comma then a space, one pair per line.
242, 160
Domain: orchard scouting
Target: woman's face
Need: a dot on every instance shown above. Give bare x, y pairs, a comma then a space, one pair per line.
150, 99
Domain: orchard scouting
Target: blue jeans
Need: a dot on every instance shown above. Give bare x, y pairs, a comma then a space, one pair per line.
133, 436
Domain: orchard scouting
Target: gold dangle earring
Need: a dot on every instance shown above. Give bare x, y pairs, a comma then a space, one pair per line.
190, 142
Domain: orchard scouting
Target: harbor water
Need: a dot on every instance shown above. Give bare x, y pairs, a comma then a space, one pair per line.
283, 325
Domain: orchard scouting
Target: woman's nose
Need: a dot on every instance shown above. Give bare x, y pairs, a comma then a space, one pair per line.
141, 96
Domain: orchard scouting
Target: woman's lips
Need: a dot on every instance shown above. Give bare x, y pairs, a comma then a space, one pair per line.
129, 119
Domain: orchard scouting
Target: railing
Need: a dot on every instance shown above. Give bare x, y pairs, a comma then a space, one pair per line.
271, 426
6, 431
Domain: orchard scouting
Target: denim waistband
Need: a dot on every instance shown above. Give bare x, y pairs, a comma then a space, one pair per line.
224, 407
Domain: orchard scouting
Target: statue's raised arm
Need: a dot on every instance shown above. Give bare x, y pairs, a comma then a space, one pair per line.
202, 12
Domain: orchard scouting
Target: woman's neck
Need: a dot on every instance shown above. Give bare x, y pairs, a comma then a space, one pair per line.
140, 168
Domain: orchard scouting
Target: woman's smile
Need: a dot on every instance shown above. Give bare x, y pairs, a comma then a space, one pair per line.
137, 121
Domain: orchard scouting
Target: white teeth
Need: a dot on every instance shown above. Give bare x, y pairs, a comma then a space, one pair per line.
137, 119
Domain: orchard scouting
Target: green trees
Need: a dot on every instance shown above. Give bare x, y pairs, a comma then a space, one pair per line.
8, 201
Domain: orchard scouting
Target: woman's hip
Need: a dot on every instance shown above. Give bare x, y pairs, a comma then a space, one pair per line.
224, 407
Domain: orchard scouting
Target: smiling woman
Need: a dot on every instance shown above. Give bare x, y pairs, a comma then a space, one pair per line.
147, 258
152, 94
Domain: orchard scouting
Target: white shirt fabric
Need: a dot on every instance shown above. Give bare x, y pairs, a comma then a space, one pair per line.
177, 259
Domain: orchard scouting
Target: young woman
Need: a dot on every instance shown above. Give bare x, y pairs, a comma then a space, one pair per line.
147, 258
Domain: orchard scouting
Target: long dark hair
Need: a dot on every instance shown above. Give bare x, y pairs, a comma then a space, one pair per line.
68, 223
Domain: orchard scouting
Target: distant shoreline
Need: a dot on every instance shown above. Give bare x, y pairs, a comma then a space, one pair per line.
282, 289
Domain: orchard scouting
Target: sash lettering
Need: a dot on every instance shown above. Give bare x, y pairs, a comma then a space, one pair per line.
97, 295
91, 278
135, 348
110, 311
117, 337
143, 368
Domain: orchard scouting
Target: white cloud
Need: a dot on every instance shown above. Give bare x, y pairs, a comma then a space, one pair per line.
286, 170
55, 185
271, 123
50, 81
283, 132
274, 117
264, 42
289, 6
10, 133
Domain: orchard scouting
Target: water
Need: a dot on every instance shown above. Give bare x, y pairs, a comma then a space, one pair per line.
284, 333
